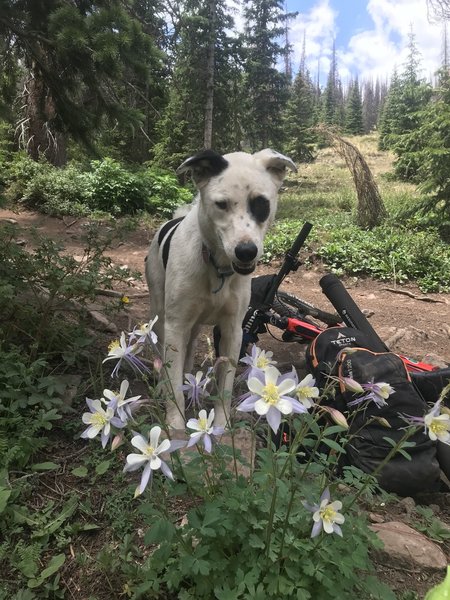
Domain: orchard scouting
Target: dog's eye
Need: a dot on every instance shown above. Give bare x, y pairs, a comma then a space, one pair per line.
222, 205
259, 208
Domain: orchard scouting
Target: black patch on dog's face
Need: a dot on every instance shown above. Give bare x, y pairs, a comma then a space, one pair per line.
259, 208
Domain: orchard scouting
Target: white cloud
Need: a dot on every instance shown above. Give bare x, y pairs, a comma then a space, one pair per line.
373, 52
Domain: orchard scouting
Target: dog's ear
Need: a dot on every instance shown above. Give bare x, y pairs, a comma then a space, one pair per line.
204, 165
275, 163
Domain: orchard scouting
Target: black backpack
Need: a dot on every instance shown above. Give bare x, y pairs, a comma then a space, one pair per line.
329, 355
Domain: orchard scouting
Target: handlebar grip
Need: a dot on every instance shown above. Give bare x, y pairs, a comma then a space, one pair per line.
300, 239
350, 312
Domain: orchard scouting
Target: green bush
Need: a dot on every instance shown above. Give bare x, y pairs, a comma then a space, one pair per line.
165, 193
115, 190
108, 187
390, 253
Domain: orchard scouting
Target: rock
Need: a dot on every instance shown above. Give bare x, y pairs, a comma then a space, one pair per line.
376, 518
100, 322
408, 505
407, 548
367, 312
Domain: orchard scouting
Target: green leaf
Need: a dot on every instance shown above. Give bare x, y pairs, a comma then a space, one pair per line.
45, 466
80, 472
333, 445
4, 496
102, 467
54, 565
161, 531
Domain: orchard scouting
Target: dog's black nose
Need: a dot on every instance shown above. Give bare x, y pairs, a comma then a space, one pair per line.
246, 251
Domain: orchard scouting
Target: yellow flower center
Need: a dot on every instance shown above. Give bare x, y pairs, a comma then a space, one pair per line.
114, 345
99, 420
327, 514
304, 392
262, 362
270, 394
149, 450
437, 426
203, 424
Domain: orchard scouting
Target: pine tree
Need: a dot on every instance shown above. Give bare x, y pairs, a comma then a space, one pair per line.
74, 55
333, 97
354, 110
202, 76
299, 119
266, 89
369, 107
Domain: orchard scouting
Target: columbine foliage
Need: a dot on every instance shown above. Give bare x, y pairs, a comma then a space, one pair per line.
282, 528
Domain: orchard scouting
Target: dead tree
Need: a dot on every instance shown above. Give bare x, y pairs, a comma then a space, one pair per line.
370, 210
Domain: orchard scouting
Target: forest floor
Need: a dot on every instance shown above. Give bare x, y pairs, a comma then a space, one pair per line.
412, 322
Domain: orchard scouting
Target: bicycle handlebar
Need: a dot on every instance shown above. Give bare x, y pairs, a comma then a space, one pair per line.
289, 264
351, 314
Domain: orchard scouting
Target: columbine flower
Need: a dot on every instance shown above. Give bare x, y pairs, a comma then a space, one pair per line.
258, 359
203, 430
269, 398
437, 425
326, 515
144, 333
116, 401
306, 391
150, 449
99, 420
377, 392
119, 350
195, 387
351, 385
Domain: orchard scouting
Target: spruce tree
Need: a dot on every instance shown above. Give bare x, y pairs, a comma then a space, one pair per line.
202, 76
354, 110
333, 97
265, 88
299, 119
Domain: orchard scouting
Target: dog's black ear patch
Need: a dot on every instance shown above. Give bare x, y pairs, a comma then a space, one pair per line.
204, 165
259, 208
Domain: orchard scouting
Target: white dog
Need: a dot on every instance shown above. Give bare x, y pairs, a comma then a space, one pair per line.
198, 266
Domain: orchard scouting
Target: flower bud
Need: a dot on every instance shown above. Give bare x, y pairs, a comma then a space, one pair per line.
117, 441
336, 416
352, 385
157, 364
382, 421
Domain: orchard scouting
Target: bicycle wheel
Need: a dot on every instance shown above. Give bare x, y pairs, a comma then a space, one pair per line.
288, 305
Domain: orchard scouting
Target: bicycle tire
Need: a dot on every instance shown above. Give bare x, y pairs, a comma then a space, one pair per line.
288, 305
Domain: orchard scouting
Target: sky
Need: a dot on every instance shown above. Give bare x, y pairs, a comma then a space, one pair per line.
371, 36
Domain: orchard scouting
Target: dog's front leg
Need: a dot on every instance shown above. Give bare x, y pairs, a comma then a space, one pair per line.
229, 346
176, 341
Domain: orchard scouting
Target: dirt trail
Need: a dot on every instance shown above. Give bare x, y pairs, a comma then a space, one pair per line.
414, 323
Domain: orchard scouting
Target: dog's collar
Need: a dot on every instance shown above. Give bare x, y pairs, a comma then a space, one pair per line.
221, 272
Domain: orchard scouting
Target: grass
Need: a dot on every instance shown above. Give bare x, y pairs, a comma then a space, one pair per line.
403, 248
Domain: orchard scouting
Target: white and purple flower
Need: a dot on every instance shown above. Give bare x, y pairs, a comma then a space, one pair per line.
258, 360
203, 430
100, 420
150, 450
375, 392
326, 515
117, 401
195, 387
269, 396
122, 352
144, 333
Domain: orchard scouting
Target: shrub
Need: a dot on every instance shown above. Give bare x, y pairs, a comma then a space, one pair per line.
115, 190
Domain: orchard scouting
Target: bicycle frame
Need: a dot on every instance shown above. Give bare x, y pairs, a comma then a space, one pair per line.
302, 331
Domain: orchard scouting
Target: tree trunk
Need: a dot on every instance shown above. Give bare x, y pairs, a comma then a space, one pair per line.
41, 138
209, 104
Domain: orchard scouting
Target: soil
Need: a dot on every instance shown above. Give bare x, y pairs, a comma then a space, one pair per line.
410, 321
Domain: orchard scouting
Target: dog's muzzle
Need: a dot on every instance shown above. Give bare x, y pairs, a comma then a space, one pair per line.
245, 253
